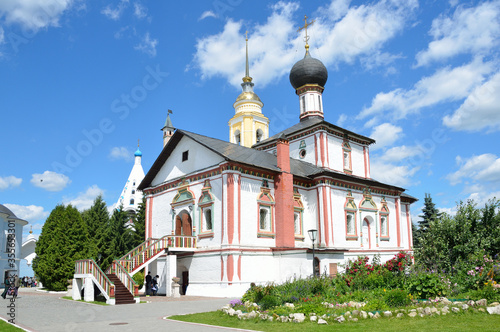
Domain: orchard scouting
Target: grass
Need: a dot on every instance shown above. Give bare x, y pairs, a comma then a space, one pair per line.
100, 301
451, 322
7, 327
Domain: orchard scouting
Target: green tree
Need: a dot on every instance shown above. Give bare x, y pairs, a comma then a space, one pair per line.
97, 220
64, 239
430, 213
139, 233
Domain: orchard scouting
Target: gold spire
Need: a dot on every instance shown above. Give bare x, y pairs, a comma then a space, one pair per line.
306, 39
247, 77
138, 140
31, 229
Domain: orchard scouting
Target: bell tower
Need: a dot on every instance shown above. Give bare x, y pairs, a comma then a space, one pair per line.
248, 125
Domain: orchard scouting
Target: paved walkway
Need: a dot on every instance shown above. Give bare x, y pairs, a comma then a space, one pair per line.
38, 312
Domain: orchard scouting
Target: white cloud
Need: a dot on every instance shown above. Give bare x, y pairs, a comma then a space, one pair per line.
343, 37
147, 45
9, 182
481, 109
341, 120
140, 11
447, 84
120, 152
385, 135
2, 36
84, 200
398, 175
114, 13
50, 181
29, 213
399, 153
34, 14
206, 14
470, 30
482, 168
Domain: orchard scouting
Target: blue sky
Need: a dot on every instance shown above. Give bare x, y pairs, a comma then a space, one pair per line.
82, 81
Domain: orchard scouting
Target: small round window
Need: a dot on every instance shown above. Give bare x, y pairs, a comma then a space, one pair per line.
302, 153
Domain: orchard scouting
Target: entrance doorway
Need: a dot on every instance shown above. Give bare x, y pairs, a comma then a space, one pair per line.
183, 224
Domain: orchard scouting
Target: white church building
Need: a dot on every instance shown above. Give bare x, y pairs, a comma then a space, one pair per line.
247, 205
222, 215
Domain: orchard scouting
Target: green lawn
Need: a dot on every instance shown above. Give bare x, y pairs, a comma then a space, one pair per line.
6, 327
451, 322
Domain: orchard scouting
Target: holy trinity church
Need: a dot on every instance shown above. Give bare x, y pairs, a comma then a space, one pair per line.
246, 205
222, 215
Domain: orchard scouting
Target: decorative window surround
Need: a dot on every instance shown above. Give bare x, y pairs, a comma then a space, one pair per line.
346, 157
206, 211
265, 212
384, 221
298, 215
351, 228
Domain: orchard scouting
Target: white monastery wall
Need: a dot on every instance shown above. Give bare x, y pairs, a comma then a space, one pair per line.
198, 159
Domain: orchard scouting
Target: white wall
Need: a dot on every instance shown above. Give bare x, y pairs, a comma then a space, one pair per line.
199, 158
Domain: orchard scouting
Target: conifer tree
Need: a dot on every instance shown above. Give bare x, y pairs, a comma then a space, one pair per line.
139, 233
63, 241
97, 220
430, 213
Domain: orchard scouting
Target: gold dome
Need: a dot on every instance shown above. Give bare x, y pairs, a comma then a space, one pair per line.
249, 95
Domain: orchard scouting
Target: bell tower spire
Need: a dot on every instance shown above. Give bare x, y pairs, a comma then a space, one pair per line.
168, 129
248, 126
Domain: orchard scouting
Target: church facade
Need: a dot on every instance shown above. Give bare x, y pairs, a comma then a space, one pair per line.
247, 205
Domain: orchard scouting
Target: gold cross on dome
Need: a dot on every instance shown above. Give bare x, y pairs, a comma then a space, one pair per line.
246, 35
138, 142
306, 39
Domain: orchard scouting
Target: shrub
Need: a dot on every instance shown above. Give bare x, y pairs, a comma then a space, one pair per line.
139, 278
375, 305
397, 298
426, 285
269, 301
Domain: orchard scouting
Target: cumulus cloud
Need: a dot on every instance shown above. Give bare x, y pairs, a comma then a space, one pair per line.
399, 153
50, 181
120, 152
114, 13
469, 30
9, 182
349, 33
481, 109
385, 135
398, 175
84, 200
482, 168
147, 45
447, 84
29, 213
34, 14
206, 14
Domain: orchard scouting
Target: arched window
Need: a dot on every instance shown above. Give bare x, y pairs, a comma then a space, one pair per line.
265, 203
131, 201
350, 210
133, 191
237, 137
346, 157
206, 205
384, 221
258, 135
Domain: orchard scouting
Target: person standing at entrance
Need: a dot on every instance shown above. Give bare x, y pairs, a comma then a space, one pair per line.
148, 283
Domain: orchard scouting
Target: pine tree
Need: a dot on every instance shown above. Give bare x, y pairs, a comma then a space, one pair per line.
139, 233
63, 240
97, 220
430, 213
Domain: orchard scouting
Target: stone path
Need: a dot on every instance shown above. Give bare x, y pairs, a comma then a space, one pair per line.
38, 311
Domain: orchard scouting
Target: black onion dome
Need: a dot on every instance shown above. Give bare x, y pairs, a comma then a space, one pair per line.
308, 71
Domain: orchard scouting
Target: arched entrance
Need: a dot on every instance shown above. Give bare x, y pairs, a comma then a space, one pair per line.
183, 224
367, 243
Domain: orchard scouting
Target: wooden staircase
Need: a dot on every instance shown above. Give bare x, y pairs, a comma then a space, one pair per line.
122, 294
